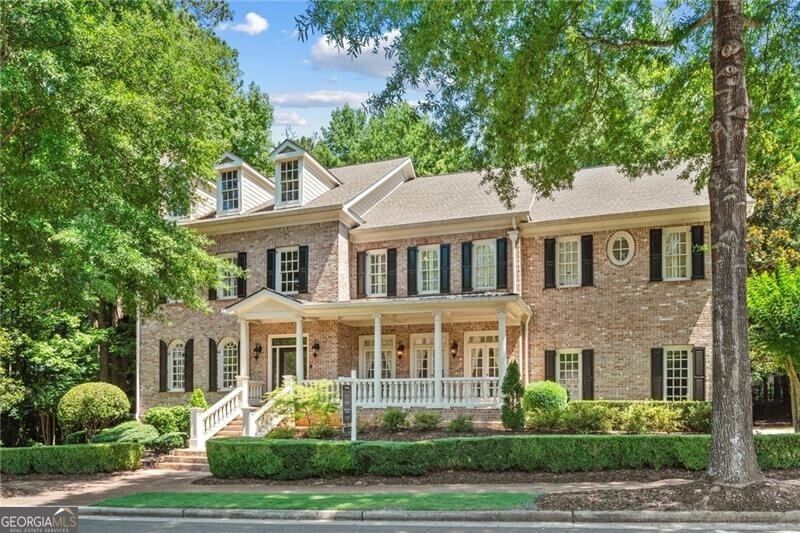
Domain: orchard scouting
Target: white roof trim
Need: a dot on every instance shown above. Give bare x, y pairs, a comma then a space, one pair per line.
239, 162
323, 172
410, 175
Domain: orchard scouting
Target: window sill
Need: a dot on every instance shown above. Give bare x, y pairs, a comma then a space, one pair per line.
229, 213
677, 279
568, 286
227, 297
176, 391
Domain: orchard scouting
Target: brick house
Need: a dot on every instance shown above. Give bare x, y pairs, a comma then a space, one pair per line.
604, 287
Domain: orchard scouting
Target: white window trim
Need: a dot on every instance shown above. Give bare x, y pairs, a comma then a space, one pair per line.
239, 176
610, 247
278, 185
221, 362
370, 254
420, 249
232, 256
576, 239
270, 338
466, 346
665, 233
278, 254
562, 351
475, 244
690, 369
170, 374
445, 353
362, 357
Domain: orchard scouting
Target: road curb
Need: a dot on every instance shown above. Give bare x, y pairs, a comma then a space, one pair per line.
782, 517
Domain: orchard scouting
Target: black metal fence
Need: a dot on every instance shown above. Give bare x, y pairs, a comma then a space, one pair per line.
771, 399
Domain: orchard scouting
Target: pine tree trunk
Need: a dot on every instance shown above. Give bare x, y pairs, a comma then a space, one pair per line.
794, 393
733, 457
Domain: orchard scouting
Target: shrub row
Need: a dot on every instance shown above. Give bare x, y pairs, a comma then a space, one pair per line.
71, 459
298, 459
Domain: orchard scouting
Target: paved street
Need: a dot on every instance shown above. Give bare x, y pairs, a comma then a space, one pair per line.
146, 525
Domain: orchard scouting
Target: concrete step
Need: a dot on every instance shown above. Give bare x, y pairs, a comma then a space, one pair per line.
192, 467
187, 453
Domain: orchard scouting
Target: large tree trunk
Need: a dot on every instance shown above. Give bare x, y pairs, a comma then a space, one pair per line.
794, 393
733, 457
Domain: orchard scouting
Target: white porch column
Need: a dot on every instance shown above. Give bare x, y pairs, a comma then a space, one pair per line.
513, 235
299, 359
501, 343
437, 356
378, 345
244, 362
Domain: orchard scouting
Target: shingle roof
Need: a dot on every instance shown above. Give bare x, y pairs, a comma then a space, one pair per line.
445, 197
606, 191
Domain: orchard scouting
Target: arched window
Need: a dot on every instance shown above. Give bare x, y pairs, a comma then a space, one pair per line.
228, 363
176, 366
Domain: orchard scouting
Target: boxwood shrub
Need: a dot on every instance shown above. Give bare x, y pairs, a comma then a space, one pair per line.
297, 459
132, 431
71, 459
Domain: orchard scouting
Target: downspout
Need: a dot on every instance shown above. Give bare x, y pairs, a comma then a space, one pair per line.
138, 361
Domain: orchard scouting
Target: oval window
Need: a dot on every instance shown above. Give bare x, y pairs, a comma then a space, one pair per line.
620, 248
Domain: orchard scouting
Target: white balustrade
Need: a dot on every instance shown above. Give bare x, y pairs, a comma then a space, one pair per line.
421, 392
257, 390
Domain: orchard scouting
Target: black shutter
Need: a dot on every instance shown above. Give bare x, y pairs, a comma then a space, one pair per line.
698, 253
212, 365
502, 263
466, 266
587, 261
549, 263
302, 274
361, 274
699, 382
188, 366
550, 365
444, 268
588, 374
212, 293
241, 262
412, 270
657, 373
391, 272
271, 268
655, 255
162, 366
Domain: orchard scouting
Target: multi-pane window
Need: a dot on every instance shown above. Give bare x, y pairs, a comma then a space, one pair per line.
367, 356
568, 262
483, 360
423, 353
230, 282
229, 363
429, 269
676, 254
485, 265
176, 367
620, 248
376, 266
229, 190
568, 372
676, 372
290, 181
288, 269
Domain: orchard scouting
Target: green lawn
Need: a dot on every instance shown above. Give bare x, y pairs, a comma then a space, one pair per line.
419, 501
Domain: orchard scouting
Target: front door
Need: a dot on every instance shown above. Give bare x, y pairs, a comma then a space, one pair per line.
284, 359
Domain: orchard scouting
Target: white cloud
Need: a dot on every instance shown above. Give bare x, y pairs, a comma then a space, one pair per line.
324, 54
253, 24
319, 99
289, 118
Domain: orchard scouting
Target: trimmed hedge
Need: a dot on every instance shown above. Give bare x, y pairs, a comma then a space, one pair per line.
132, 431
298, 459
71, 458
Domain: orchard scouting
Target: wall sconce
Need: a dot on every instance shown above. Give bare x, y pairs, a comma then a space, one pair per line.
315, 348
454, 349
401, 350
257, 350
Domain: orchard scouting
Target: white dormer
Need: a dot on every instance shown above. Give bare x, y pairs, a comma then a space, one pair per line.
299, 178
240, 187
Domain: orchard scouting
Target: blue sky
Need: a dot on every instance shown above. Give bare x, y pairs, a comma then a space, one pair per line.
305, 80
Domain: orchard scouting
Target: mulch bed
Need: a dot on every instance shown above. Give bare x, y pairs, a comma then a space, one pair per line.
699, 495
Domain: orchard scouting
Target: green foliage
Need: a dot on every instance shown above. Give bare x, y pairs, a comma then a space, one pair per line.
92, 406
322, 431
298, 459
461, 424
252, 137
198, 399
182, 417
425, 420
394, 419
71, 459
313, 403
640, 418
344, 132
280, 433
76, 437
544, 396
511, 412
168, 419
169, 441
127, 432
773, 302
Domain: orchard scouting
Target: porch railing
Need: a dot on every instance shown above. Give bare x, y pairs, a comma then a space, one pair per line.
256, 392
421, 392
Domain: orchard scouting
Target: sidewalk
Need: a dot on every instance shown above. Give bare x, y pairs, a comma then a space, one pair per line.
87, 492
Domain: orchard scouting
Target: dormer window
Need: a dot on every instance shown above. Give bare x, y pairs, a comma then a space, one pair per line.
290, 181
229, 191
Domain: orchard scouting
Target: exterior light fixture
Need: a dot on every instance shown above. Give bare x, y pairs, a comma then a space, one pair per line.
454, 349
315, 348
257, 350
400, 350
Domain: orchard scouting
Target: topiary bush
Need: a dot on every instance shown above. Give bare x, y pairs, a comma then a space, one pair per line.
511, 413
76, 437
169, 441
132, 431
394, 419
461, 424
198, 399
544, 396
425, 420
92, 407
280, 433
